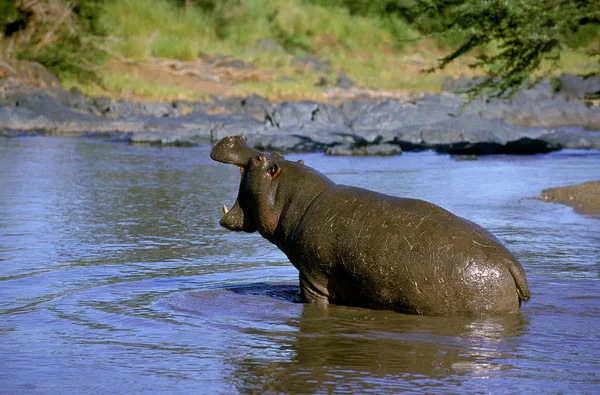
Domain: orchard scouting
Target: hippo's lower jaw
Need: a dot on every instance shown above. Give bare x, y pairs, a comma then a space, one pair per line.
235, 220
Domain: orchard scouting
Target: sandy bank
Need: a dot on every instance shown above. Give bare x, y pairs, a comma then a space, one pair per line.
584, 198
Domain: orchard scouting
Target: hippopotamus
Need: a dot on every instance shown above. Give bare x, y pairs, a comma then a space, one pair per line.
356, 247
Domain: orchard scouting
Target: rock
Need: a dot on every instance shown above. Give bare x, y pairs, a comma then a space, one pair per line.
524, 146
574, 139
364, 150
545, 104
546, 114
344, 82
75, 100
121, 109
385, 120
304, 114
10, 133
238, 127
352, 109
362, 126
286, 143
160, 138
470, 135
576, 87
254, 105
63, 123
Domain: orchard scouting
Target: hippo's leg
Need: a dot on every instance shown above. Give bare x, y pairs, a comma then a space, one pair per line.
310, 293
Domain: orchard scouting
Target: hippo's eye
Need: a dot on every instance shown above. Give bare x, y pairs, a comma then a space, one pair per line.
261, 158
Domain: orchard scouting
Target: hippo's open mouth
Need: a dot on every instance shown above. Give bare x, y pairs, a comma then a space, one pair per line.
233, 219
234, 150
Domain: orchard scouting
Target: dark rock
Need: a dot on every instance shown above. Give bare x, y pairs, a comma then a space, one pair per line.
524, 146
388, 118
304, 114
529, 146
469, 135
364, 150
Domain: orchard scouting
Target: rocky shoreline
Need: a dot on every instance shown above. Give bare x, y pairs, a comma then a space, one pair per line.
538, 120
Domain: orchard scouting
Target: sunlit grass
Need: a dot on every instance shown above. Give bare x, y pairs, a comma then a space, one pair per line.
128, 86
377, 52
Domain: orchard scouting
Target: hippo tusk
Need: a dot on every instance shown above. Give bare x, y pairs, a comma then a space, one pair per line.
225, 209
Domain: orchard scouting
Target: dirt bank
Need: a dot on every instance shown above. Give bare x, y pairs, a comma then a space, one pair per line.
584, 198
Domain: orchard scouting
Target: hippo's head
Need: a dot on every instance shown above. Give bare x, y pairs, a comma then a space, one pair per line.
256, 207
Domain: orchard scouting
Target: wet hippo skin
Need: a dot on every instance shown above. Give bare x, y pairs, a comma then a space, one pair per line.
360, 248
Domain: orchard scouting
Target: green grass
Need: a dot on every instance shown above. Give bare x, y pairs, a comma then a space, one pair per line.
144, 28
130, 87
378, 52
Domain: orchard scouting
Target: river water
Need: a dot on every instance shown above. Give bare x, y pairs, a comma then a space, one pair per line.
115, 277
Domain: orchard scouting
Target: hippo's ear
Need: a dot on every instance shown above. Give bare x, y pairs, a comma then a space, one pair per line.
300, 161
274, 170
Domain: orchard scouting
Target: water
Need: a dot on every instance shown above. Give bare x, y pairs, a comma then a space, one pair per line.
115, 277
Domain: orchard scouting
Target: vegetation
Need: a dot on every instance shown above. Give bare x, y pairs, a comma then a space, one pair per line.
63, 36
530, 36
381, 44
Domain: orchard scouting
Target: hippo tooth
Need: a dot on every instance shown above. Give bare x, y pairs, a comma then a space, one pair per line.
225, 209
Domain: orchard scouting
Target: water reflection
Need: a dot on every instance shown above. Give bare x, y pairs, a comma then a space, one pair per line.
276, 345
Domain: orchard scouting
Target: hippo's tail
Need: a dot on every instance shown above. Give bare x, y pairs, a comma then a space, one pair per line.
520, 280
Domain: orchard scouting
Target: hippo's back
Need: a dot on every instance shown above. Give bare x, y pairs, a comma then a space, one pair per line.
407, 255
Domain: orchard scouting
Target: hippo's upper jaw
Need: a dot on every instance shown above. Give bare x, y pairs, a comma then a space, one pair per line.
233, 150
